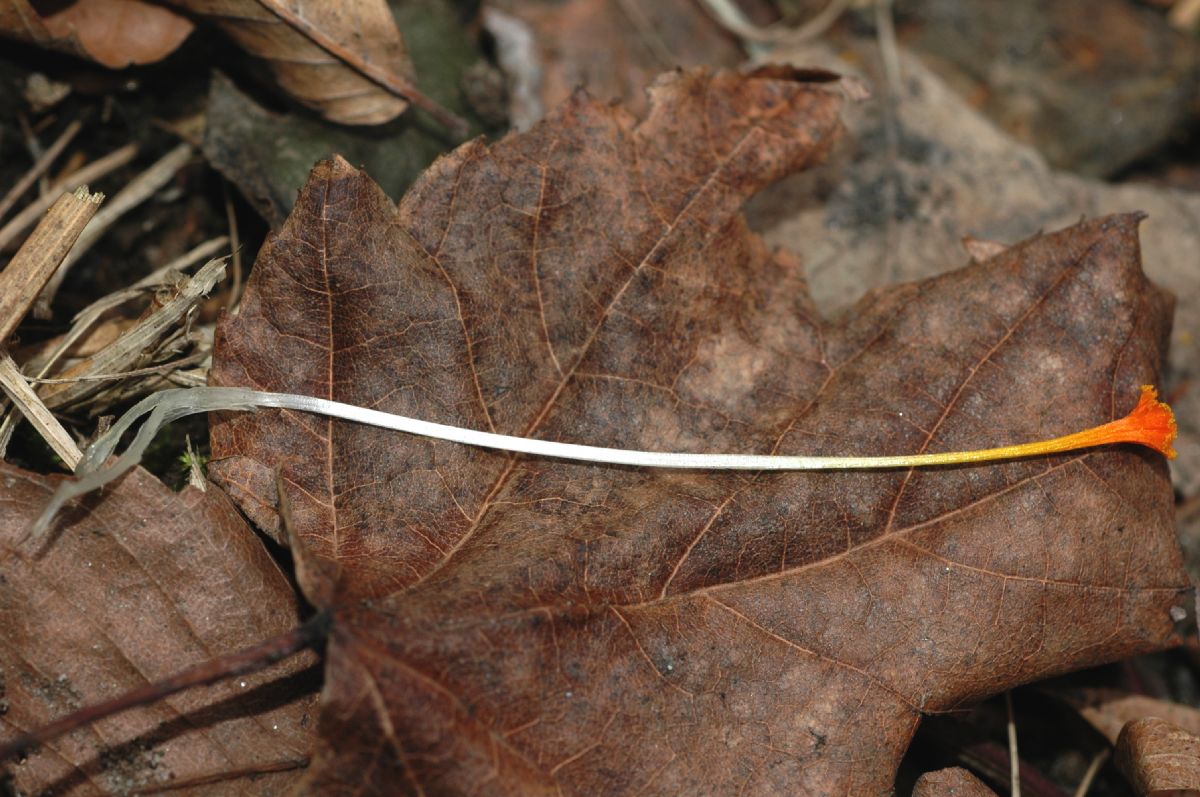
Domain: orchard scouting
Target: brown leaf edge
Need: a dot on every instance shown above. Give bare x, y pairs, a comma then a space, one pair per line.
113, 33
345, 60
952, 782
1160, 759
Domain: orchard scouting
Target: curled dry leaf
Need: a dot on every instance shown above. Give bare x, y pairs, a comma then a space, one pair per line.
1160, 759
1110, 710
522, 626
240, 137
345, 60
139, 583
953, 782
115, 33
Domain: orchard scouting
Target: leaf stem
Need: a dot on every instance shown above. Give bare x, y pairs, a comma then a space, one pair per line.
309, 634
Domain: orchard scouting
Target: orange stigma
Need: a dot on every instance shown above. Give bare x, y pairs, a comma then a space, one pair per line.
1151, 423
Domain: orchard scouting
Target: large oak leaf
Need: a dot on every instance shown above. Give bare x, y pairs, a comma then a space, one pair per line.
521, 626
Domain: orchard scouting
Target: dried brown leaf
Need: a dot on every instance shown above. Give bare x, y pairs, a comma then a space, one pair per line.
1109, 710
954, 782
521, 626
346, 60
140, 583
115, 33
1160, 759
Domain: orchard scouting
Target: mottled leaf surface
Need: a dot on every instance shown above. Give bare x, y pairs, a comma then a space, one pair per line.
1160, 759
139, 583
523, 626
955, 782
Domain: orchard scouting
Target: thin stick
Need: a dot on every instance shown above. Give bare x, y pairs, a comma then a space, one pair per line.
84, 320
1085, 784
6, 431
1014, 761
88, 174
32, 144
39, 167
225, 776
134, 193
35, 262
164, 368
89, 315
251, 660
12, 381
235, 289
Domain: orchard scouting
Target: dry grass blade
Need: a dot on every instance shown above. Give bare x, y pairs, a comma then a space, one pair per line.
20, 282
34, 410
39, 167
159, 334
152, 370
1014, 758
40, 255
1085, 783
90, 173
141, 188
41, 363
87, 317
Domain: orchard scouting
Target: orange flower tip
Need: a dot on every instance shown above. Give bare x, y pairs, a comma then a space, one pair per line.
1151, 423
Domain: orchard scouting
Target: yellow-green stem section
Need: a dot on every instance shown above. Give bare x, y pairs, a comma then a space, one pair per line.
1151, 423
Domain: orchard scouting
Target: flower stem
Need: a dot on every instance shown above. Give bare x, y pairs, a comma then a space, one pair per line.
1151, 423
